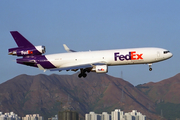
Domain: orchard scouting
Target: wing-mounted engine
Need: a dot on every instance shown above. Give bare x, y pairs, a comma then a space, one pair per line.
28, 51
100, 69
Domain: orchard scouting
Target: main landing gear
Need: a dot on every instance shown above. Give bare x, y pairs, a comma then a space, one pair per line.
83, 73
150, 69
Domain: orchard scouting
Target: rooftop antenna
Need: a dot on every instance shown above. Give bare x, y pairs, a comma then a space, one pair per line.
161, 114
122, 96
149, 108
69, 102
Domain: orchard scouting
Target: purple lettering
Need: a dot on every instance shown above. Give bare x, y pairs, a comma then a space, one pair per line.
131, 56
115, 56
121, 57
128, 56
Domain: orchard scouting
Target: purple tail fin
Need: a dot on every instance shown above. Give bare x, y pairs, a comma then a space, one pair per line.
20, 40
25, 48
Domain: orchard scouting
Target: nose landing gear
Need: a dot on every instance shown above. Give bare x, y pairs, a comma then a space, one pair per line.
150, 69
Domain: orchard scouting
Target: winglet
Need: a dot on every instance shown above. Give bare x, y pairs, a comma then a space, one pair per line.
41, 67
67, 49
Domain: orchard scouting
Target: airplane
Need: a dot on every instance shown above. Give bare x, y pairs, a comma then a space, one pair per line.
89, 61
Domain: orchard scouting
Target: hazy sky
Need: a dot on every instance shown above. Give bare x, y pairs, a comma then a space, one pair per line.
93, 25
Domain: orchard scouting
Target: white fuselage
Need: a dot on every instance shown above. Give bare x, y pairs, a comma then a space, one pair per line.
110, 57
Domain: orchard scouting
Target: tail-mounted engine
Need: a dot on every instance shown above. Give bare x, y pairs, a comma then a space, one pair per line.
21, 51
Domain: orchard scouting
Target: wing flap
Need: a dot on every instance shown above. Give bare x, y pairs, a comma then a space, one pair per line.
74, 67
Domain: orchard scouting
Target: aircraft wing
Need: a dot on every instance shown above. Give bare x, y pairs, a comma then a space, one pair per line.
80, 66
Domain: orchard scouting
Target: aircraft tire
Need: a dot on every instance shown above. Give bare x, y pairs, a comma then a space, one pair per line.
150, 69
84, 75
80, 75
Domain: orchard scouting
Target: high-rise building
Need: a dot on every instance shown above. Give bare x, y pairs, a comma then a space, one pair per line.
105, 116
93, 116
68, 115
33, 117
117, 114
9, 116
54, 118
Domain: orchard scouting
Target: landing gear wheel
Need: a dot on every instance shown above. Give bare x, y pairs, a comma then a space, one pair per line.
84, 75
150, 64
80, 75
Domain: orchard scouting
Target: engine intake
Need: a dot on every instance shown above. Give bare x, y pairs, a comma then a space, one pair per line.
37, 50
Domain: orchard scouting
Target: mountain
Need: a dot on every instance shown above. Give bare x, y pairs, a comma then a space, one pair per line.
166, 90
46, 95
166, 95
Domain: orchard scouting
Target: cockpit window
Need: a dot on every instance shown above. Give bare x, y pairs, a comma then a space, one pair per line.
165, 52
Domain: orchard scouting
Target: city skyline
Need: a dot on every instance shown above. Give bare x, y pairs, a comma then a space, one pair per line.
117, 114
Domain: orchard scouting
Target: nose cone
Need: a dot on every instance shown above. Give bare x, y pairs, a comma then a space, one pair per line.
167, 54
170, 55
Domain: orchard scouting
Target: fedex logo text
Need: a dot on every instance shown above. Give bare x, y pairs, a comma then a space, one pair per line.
101, 69
26, 52
131, 56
